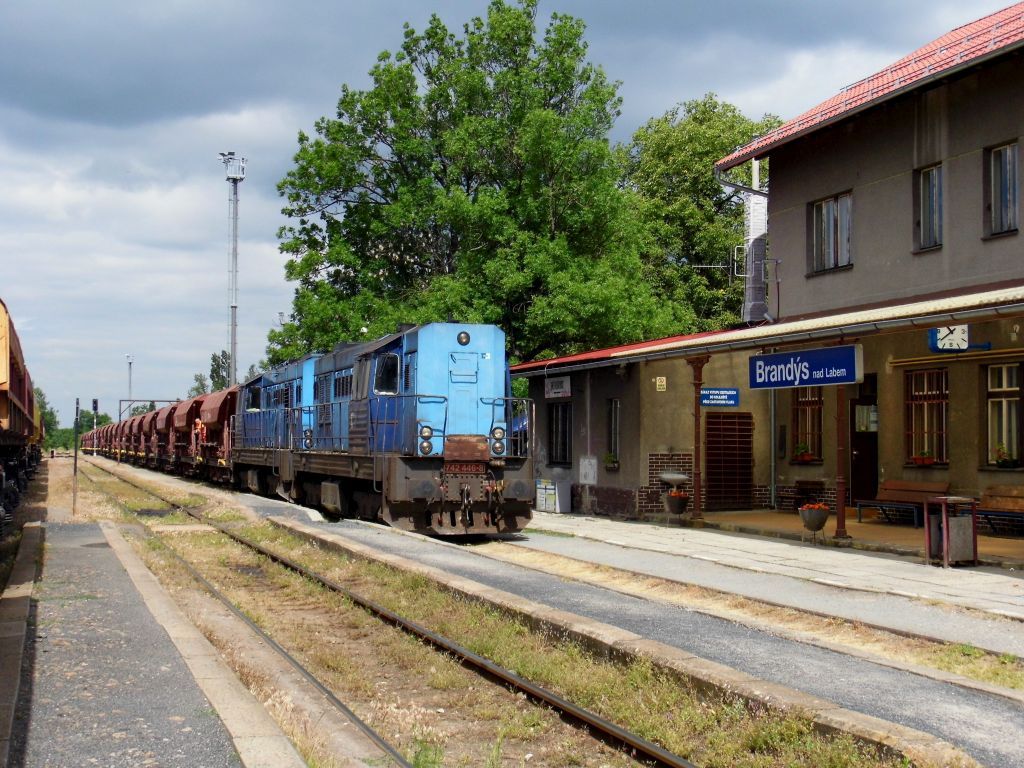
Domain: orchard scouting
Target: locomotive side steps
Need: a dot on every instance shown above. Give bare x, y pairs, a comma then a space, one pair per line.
701, 673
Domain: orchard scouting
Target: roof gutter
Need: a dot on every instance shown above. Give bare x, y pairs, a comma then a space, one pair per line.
720, 178
797, 337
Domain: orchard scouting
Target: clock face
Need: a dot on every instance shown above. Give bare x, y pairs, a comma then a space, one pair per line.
952, 337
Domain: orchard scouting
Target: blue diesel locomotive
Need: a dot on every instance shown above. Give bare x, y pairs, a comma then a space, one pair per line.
417, 429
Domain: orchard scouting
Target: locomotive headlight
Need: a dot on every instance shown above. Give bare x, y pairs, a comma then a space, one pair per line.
426, 447
426, 432
498, 433
462, 338
498, 448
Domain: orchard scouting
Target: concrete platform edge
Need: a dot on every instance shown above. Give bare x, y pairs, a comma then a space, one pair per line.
257, 737
14, 610
918, 746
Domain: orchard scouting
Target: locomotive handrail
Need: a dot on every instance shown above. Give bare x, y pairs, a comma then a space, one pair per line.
313, 427
515, 436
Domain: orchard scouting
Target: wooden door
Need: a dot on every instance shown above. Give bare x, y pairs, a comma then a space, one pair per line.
864, 440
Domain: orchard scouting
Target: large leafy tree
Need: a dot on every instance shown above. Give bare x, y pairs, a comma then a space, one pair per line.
693, 221
473, 180
220, 370
200, 385
50, 420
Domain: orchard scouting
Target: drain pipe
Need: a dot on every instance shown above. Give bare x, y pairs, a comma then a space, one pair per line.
773, 448
773, 463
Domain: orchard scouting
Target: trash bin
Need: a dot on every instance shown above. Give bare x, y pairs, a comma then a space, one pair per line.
951, 530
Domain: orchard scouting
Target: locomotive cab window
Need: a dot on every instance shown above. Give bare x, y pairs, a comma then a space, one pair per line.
386, 381
252, 399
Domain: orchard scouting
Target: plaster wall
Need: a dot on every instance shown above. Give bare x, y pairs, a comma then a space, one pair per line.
874, 155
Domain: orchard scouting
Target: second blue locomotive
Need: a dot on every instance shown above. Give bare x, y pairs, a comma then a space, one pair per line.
417, 429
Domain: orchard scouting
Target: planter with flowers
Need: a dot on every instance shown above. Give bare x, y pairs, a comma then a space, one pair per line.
924, 459
814, 515
1003, 458
802, 454
676, 501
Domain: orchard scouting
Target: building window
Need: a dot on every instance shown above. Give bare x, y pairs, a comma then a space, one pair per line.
808, 403
831, 235
1002, 189
1004, 414
560, 433
926, 396
614, 411
929, 222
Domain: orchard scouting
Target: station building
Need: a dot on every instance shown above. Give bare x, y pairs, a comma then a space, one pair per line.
893, 238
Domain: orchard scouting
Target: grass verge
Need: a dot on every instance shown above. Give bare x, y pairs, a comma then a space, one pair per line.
638, 696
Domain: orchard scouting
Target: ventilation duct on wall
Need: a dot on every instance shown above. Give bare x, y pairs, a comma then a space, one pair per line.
755, 239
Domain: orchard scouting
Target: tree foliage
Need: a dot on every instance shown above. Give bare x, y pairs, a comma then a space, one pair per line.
141, 408
474, 180
220, 370
200, 385
693, 221
50, 419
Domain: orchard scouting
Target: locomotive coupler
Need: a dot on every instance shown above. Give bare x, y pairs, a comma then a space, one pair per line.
467, 505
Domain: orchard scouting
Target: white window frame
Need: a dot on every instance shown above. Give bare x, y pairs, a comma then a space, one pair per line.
831, 224
1003, 410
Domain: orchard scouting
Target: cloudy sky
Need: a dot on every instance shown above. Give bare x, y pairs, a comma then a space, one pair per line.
114, 228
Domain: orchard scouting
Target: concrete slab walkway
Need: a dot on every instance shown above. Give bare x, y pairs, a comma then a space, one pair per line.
110, 669
841, 582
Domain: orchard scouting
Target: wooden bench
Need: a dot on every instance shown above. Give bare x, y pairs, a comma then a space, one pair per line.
1002, 508
900, 498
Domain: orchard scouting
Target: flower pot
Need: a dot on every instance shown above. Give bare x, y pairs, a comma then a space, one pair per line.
676, 505
813, 519
804, 458
924, 461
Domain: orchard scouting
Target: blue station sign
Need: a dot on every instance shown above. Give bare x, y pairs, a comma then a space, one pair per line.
719, 397
807, 368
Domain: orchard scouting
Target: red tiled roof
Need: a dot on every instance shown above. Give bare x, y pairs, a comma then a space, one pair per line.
608, 353
980, 39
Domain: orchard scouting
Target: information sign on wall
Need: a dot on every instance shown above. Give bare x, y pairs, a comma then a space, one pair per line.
719, 396
588, 470
557, 386
808, 368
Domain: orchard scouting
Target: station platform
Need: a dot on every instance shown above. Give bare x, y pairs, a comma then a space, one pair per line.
99, 667
872, 534
866, 581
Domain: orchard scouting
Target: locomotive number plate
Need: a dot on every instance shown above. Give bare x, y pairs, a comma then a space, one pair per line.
465, 468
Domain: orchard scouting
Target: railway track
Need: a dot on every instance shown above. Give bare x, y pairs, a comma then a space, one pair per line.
635, 746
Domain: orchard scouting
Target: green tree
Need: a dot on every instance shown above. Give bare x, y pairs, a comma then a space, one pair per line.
220, 370
200, 386
693, 221
473, 180
50, 420
87, 422
143, 408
